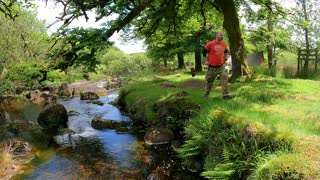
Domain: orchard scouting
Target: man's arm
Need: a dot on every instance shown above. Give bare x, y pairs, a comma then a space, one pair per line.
204, 54
226, 56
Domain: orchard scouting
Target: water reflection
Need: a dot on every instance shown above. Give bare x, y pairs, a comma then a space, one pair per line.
57, 168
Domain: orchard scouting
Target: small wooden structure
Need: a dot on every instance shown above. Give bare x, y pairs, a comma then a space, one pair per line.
311, 58
255, 59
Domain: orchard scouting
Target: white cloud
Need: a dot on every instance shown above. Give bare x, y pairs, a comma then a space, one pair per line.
51, 11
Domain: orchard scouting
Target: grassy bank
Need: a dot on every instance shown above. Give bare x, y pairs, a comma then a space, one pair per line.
271, 130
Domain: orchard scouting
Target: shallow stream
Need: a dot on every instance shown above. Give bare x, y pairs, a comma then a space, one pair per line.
102, 154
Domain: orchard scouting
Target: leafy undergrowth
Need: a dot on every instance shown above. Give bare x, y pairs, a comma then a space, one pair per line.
270, 130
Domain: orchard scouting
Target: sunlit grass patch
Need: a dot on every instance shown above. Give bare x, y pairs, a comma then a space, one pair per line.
280, 165
264, 122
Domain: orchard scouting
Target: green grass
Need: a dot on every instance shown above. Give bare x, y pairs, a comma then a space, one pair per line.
269, 116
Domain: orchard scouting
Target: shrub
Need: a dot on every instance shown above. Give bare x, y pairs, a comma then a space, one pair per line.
309, 75
288, 72
25, 74
7, 87
265, 71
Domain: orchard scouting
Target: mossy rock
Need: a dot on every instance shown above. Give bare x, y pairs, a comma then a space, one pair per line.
73, 113
176, 107
122, 130
88, 96
194, 167
66, 131
100, 123
97, 102
64, 90
158, 135
53, 117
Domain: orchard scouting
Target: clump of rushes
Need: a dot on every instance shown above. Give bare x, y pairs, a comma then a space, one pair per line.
6, 157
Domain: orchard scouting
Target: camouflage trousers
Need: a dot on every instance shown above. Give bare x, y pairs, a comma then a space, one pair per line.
211, 75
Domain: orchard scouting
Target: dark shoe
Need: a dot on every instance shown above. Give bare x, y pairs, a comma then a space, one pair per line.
228, 97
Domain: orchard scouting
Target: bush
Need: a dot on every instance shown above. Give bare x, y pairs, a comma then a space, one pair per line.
55, 77
315, 75
25, 74
7, 87
288, 72
265, 71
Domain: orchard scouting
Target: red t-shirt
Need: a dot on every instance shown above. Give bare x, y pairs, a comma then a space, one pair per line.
216, 51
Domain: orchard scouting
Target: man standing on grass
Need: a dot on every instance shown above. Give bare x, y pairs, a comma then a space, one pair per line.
217, 55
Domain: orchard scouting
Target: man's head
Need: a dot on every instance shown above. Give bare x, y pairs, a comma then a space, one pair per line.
219, 36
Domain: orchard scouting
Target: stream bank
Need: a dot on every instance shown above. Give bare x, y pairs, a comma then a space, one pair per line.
101, 154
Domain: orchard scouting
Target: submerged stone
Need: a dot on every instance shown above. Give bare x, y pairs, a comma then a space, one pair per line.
88, 96
97, 102
73, 113
158, 135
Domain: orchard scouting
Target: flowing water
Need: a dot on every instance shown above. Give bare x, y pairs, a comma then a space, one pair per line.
102, 154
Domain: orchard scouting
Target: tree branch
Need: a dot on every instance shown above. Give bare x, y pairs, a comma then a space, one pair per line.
121, 22
203, 13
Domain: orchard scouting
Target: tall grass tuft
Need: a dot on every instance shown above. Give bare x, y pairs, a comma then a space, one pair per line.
288, 73
315, 75
265, 71
6, 157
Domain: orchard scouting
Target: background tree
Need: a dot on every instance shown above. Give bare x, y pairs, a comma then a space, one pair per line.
113, 62
305, 26
181, 31
129, 10
266, 31
11, 9
78, 46
23, 49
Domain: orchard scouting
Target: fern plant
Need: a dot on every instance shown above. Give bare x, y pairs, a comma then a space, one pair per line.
223, 170
192, 147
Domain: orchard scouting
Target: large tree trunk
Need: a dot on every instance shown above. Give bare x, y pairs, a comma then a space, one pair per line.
232, 26
197, 56
180, 60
